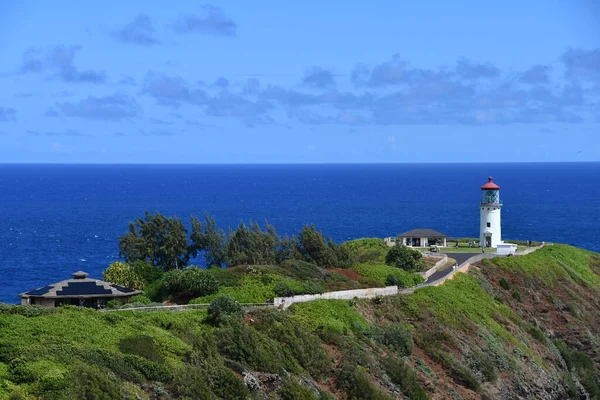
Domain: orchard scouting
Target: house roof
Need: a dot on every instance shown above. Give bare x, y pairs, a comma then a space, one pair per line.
80, 286
423, 233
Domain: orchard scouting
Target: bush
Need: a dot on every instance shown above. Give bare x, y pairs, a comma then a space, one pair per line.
140, 298
189, 282
122, 274
537, 334
517, 296
357, 384
393, 280
404, 377
112, 304
405, 258
142, 346
146, 272
155, 291
313, 287
90, 382
282, 289
304, 270
292, 390
366, 250
504, 284
224, 307
395, 336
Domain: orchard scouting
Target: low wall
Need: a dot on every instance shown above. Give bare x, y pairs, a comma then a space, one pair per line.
285, 302
433, 269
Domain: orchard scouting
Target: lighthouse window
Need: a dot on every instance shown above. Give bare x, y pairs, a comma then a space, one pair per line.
489, 224
488, 209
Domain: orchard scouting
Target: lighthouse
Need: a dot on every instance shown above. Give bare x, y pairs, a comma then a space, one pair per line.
490, 232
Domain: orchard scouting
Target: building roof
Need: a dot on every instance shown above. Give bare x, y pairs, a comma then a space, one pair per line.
490, 185
423, 233
80, 286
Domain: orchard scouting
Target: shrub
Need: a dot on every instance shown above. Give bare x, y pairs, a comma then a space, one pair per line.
112, 304
393, 280
303, 270
253, 349
405, 258
301, 344
155, 291
366, 250
537, 334
282, 289
322, 315
189, 282
26, 311
140, 298
313, 287
90, 382
224, 307
292, 390
146, 272
395, 336
504, 284
380, 273
404, 377
142, 346
122, 274
517, 296
355, 381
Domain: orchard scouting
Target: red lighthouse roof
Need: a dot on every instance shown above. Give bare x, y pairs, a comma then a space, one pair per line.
490, 185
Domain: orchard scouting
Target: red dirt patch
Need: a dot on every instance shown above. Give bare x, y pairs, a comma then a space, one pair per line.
348, 273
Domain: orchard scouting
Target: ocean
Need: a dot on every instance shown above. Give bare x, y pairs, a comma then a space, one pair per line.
57, 219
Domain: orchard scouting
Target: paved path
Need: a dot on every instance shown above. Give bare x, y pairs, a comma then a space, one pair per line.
459, 257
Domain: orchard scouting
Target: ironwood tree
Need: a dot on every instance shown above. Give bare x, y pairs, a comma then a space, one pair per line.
157, 239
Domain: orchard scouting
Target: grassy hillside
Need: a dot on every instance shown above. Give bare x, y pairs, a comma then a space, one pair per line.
520, 327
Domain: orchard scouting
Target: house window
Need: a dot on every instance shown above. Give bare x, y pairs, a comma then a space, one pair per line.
489, 224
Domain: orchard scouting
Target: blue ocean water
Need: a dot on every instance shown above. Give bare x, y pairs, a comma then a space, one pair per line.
56, 219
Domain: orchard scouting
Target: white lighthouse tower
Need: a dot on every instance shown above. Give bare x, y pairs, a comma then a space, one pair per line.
490, 232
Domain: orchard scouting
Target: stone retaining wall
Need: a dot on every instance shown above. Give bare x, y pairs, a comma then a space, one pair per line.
285, 302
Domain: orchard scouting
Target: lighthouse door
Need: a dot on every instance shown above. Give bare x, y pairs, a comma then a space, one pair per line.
488, 241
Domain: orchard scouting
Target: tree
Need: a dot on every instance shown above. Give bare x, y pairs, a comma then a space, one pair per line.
252, 246
156, 239
404, 258
314, 248
209, 241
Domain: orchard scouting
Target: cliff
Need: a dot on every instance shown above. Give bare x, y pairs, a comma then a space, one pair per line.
516, 327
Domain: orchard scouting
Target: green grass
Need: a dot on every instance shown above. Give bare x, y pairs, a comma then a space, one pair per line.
366, 250
336, 316
380, 272
252, 289
458, 301
552, 264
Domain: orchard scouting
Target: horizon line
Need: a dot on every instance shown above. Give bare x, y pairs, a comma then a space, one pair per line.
302, 163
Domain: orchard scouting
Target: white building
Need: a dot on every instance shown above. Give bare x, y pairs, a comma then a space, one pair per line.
490, 231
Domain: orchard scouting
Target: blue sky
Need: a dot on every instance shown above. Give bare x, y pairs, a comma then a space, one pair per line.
299, 82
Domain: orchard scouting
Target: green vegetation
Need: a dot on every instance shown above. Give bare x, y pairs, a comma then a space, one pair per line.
552, 264
189, 282
405, 258
333, 316
380, 273
366, 250
375, 349
222, 308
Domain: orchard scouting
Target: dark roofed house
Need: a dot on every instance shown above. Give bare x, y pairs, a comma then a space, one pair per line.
422, 238
78, 291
